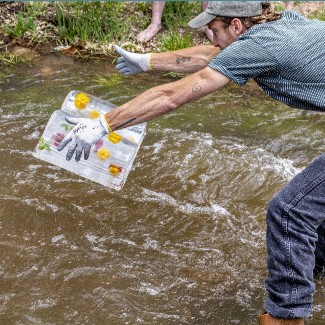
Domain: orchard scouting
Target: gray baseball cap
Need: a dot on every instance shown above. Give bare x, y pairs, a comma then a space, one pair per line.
226, 9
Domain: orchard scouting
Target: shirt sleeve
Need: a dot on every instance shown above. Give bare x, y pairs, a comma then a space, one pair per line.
242, 60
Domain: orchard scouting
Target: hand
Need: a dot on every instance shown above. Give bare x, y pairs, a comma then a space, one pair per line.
83, 135
132, 63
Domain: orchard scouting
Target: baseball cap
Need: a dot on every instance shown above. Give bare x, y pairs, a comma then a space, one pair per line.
226, 9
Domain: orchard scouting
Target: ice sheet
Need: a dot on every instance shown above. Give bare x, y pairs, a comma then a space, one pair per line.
109, 163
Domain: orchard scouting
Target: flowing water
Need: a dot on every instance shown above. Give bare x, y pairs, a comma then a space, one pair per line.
182, 243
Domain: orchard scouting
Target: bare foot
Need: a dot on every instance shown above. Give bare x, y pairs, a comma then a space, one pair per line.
147, 34
288, 5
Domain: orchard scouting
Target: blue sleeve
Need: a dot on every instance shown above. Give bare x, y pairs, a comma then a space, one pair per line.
242, 60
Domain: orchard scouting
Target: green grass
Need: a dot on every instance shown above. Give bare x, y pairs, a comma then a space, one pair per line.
97, 23
112, 21
90, 21
7, 58
319, 15
175, 41
179, 13
19, 29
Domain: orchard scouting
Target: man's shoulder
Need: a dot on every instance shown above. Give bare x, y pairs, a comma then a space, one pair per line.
277, 35
289, 23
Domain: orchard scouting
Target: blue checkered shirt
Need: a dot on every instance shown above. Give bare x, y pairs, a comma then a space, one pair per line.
285, 57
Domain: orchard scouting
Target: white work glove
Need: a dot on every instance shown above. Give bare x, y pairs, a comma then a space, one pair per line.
86, 133
132, 63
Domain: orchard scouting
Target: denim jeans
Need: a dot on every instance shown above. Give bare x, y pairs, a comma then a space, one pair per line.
296, 242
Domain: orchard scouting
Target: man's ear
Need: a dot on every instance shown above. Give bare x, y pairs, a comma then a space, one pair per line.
238, 27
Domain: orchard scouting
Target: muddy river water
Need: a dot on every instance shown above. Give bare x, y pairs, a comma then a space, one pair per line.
182, 243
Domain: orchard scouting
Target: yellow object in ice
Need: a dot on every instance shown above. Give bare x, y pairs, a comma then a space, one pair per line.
81, 101
103, 153
114, 169
114, 137
94, 114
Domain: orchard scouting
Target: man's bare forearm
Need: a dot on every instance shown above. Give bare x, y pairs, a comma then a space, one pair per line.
160, 100
186, 60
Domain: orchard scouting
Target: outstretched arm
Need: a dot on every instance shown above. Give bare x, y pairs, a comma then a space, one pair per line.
165, 98
186, 60
150, 104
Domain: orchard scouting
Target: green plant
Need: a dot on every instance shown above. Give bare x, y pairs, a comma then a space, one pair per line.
175, 41
111, 81
21, 27
7, 58
178, 13
90, 21
320, 15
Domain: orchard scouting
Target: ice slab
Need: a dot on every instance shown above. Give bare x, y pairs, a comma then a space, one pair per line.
111, 158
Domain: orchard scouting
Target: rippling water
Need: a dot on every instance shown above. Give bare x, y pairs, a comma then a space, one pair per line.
182, 243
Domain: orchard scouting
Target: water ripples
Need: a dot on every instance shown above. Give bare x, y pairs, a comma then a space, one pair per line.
182, 243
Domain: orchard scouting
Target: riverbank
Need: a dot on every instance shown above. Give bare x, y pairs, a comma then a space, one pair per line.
89, 30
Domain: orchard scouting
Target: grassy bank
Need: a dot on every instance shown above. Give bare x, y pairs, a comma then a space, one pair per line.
90, 29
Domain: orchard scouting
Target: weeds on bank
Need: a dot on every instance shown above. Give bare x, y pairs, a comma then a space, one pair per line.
96, 22
178, 13
7, 58
19, 29
90, 21
94, 26
174, 41
319, 15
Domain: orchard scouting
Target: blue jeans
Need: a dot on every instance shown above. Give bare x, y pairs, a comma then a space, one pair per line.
296, 242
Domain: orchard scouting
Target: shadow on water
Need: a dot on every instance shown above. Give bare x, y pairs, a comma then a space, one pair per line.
182, 243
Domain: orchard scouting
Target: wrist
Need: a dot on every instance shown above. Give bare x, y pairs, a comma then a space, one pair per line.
104, 124
150, 62
145, 62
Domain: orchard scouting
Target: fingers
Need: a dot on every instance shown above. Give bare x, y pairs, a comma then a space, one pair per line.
76, 148
71, 150
124, 70
79, 148
65, 141
121, 59
87, 151
119, 50
120, 66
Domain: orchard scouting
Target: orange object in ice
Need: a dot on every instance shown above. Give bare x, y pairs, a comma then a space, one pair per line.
81, 101
114, 169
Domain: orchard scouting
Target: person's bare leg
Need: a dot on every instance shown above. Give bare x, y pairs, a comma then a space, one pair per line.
207, 31
155, 25
288, 5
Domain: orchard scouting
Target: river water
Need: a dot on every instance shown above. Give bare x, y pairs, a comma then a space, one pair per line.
182, 243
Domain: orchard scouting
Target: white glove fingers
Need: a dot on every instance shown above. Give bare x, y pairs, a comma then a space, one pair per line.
71, 150
87, 151
83, 136
120, 59
65, 141
120, 66
125, 70
119, 50
79, 148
